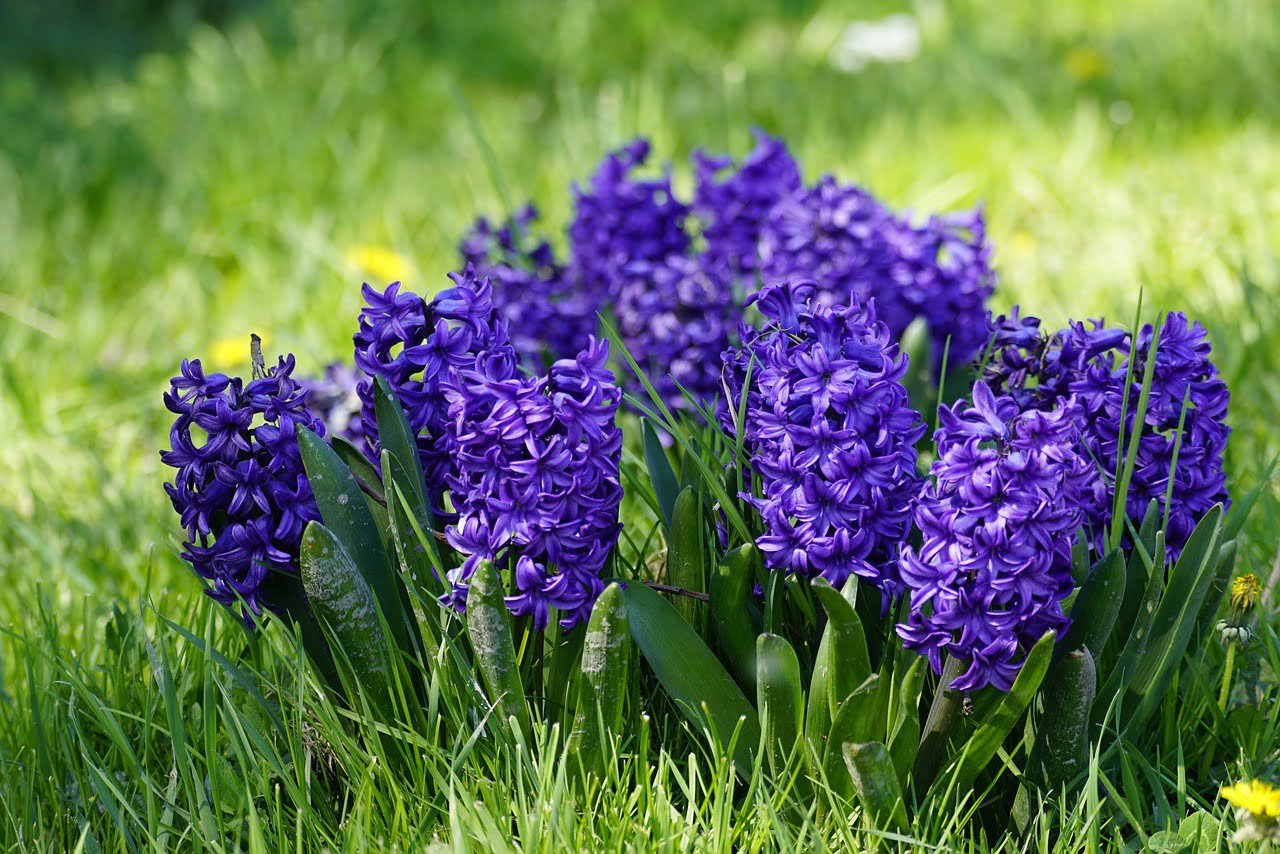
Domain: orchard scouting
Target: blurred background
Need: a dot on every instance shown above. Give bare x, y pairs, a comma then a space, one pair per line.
174, 176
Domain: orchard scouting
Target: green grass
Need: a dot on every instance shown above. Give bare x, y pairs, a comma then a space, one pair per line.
165, 184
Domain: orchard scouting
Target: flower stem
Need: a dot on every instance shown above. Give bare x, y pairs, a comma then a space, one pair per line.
1227, 667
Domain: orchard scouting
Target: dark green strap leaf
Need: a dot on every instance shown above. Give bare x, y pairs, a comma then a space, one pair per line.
1097, 606
877, 786
860, 717
842, 663
489, 628
730, 615
343, 602
665, 484
687, 553
606, 675
779, 700
693, 678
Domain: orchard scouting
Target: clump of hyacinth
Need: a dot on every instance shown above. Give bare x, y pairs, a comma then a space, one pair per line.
549, 315
619, 219
831, 436
240, 488
415, 345
858, 249
998, 523
1092, 362
733, 206
334, 399
676, 317
536, 486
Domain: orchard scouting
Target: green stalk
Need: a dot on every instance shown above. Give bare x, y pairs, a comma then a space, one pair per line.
1227, 667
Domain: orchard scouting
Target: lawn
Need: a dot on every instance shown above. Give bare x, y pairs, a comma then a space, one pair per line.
171, 179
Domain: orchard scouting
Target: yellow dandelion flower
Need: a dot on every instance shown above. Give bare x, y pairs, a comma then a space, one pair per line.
230, 353
1245, 592
1086, 63
1257, 797
380, 263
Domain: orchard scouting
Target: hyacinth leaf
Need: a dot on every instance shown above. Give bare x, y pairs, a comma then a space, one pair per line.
876, 785
370, 484
1137, 577
415, 565
1080, 558
415, 543
1061, 749
1135, 645
605, 676
1097, 606
395, 435
1175, 618
291, 599
730, 616
346, 514
779, 700
905, 736
1226, 563
686, 564
666, 487
691, 675
996, 724
344, 603
860, 718
842, 663
489, 628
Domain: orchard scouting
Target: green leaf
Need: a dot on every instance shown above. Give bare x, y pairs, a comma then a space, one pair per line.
995, 726
1137, 578
860, 718
1225, 566
730, 616
1175, 619
344, 603
1202, 831
686, 553
416, 546
845, 664
779, 700
489, 628
1097, 606
665, 485
1061, 750
696, 682
877, 786
347, 516
905, 737
606, 668
1135, 646
291, 600
395, 435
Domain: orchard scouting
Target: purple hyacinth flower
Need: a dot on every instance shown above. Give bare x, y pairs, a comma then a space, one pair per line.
240, 489
537, 482
831, 436
998, 522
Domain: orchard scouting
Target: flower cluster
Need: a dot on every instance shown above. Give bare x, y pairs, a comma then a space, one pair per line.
733, 207
856, 248
1184, 431
334, 399
998, 524
549, 316
240, 488
619, 219
676, 318
831, 436
415, 345
537, 485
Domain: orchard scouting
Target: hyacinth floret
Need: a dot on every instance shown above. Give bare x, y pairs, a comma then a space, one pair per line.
733, 203
549, 316
676, 317
1091, 362
856, 248
240, 488
415, 345
619, 219
998, 523
537, 483
831, 436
